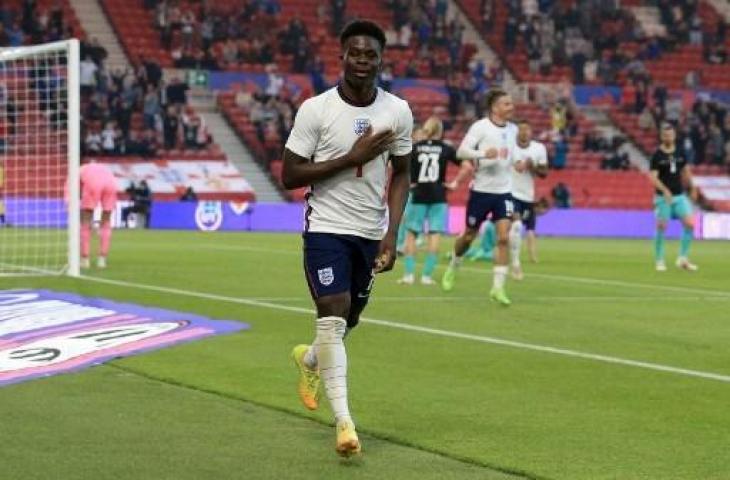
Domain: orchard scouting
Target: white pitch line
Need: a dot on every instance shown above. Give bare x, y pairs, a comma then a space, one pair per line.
486, 271
530, 300
430, 331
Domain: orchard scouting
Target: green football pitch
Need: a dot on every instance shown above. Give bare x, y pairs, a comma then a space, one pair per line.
601, 369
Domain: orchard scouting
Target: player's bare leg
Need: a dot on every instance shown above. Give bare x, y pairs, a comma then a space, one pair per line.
515, 246
460, 247
87, 217
532, 245
501, 259
688, 226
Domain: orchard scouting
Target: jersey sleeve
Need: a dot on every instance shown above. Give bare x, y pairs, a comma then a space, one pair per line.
403, 144
472, 137
654, 162
542, 158
414, 165
450, 154
305, 132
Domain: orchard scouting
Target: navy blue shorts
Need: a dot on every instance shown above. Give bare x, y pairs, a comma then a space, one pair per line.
527, 213
336, 263
482, 205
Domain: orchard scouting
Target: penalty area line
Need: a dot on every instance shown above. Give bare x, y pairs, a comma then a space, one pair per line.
429, 331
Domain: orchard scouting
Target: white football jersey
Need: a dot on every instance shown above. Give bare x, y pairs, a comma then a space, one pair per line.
352, 202
492, 177
523, 184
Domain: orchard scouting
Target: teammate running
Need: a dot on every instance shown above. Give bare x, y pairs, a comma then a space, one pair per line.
340, 146
530, 162
489, 144
670, 173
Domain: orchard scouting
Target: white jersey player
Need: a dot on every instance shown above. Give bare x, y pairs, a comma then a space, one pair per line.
531, 161
341, 145
489, 145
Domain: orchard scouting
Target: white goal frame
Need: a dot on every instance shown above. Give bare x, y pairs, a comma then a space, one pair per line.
72, 50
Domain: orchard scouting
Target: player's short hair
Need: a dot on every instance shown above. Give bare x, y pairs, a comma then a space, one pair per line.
366, 28
667, 126
433, 128
493, 95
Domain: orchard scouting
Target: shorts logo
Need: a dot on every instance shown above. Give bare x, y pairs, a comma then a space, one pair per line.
361, 124
326, 276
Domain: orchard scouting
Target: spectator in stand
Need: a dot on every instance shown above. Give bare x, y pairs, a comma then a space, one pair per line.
151, 109
561, 151
274, 81
87, 76
171, 127
561, 195
94, 50
386, 78
716, 144
109, 137
177, 92
192, 128
3, 134
92, 143
337, 9
141, 198
316, 75
189, 195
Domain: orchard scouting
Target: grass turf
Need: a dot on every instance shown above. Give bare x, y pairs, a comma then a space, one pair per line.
430, 406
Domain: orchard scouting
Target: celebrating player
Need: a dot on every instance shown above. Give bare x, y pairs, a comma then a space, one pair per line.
340, 146
669, 174
489, 144
98, 186
428, 198
530, 161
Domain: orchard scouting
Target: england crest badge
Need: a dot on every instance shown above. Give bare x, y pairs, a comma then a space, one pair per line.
361, 124
326, 276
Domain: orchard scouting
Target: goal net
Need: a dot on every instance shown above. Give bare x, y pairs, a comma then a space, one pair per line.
39, 154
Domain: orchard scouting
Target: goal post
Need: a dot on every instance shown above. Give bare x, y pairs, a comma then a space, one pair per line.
40, 148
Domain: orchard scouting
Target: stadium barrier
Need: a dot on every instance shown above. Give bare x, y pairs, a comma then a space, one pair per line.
288, 217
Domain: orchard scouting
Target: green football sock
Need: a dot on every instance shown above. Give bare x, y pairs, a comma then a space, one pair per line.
401, 239
410, 263
659, 245
430, 265
685, 241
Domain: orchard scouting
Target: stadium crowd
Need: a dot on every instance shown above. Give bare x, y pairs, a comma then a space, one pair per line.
110, 101
591, 37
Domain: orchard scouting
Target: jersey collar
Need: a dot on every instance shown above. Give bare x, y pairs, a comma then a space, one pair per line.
353, 103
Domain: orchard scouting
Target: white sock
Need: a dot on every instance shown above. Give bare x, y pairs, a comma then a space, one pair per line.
515, 243
455, 261
332, 359
310, 358
500, 273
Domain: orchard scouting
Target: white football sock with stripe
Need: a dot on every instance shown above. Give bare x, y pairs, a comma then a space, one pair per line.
515, 243
332, 360
500, 274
